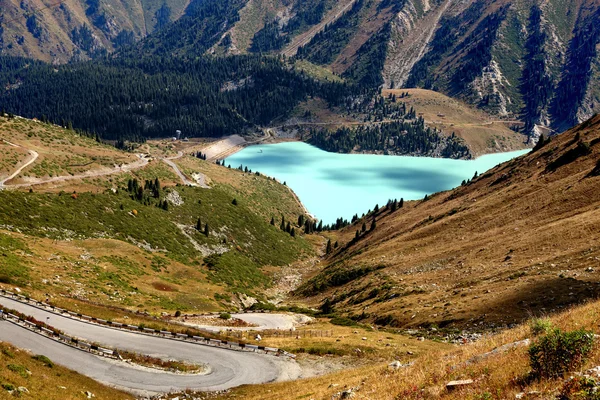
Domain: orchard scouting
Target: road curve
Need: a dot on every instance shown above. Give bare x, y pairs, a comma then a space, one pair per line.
33, 155
227, 368
184, 179
259, 320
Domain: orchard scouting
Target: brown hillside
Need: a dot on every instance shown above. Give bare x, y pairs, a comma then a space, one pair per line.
521, 239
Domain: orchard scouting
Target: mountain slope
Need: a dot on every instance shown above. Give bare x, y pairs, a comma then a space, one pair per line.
77, 29
484, 254
512, 58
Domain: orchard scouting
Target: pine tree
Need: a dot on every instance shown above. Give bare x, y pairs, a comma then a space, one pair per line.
293, 232
199, 225
288, 227
401, 204
273, 221
206, 231
234, 202
364, 227
373, 225
328, 248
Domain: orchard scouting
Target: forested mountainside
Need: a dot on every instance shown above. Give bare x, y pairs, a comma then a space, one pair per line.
532, 62
155, 96
78, 29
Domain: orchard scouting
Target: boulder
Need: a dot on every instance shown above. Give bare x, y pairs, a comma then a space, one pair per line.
452, 385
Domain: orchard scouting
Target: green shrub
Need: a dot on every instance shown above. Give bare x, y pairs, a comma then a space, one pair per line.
540, 326
8, 353
559, 352
18, 369
44, 360
8, 386
225, 315
343, 321
579, 388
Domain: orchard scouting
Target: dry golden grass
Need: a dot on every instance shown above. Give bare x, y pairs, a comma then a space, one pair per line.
518, 241
44, 382
61, 152
99, 270
499, 375
482, 132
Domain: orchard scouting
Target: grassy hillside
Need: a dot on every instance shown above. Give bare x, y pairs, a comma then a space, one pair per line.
96, 240
486, 254
498, 365
61, 151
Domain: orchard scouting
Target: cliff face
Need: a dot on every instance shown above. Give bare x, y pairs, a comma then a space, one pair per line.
533, 62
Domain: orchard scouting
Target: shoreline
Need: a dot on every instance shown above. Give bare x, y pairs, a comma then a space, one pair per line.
279, 140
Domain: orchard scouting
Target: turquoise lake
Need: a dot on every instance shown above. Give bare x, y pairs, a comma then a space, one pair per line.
333, 185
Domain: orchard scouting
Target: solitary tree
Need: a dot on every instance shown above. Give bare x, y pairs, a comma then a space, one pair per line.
234, 202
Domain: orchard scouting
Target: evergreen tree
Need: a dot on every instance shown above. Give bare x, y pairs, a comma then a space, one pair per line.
273, 221
234, 202
293, 232
373, 225
328, 248
364, 227
206, 231
401, 204
199, 225
288, 227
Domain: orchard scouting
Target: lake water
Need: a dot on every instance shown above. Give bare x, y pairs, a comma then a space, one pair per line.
335, 185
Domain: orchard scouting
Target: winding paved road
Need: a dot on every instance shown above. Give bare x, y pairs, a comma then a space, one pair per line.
227, 368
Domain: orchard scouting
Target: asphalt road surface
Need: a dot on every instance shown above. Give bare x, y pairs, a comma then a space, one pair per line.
226, 368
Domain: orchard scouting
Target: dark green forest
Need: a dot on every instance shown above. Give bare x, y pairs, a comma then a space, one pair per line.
154, 96
398, 137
